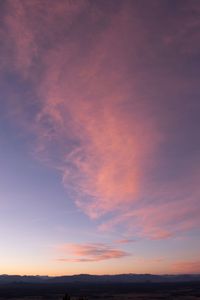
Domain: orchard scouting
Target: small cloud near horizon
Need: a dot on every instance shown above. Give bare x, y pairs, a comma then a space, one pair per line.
186, 267
91, 252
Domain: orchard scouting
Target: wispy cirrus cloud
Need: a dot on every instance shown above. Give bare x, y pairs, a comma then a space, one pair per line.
100, 114
92, 252
172, 215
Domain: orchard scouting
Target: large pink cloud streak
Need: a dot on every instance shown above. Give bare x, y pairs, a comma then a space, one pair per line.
91, 122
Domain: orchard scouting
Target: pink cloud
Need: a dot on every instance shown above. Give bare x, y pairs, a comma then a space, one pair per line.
186, 267
83, 104
91, 121
27, 23
90, 252
169, 215
125, 241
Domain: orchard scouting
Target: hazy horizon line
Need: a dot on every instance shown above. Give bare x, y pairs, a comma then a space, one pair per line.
114, 274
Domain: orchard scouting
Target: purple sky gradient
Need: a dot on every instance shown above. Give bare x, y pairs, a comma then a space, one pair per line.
99, 136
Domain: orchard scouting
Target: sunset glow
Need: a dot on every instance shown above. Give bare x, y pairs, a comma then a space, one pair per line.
99, 136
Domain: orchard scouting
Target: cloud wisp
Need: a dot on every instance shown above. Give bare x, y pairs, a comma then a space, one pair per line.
97, 112
125, 241
92, 252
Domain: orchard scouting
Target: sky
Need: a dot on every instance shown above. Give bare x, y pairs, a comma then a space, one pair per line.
99, 136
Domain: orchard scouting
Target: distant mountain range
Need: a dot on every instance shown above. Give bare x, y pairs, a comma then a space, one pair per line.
122, 278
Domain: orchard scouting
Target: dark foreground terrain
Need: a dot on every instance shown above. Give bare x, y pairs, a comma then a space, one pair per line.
115, 291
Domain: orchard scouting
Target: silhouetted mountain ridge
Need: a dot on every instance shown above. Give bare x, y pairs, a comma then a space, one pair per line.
119, 278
